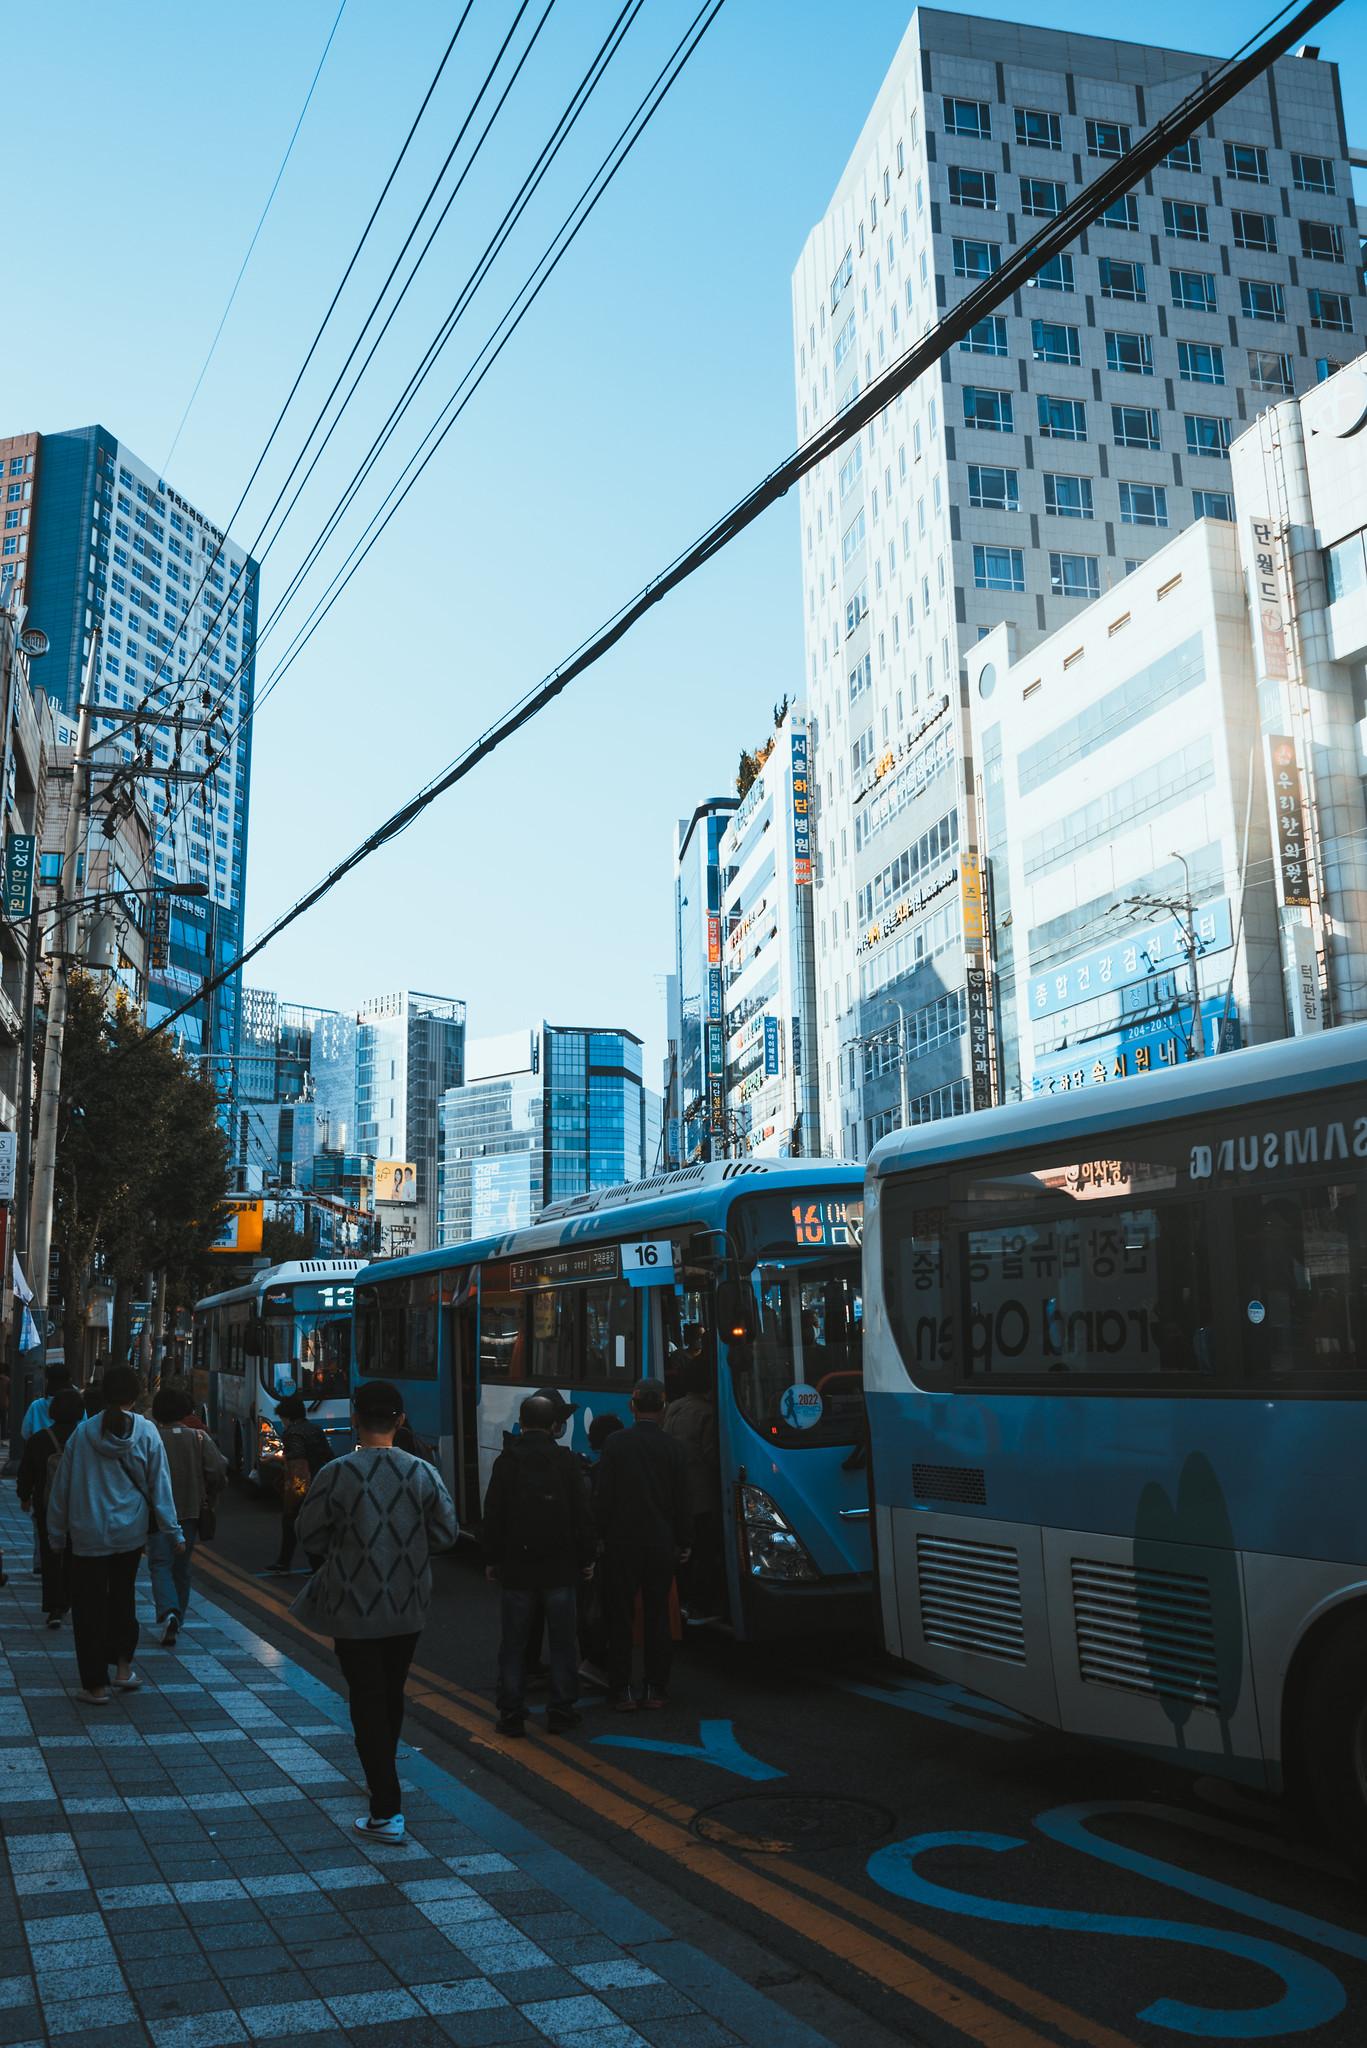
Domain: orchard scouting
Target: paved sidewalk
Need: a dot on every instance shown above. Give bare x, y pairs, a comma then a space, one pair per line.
180, 1867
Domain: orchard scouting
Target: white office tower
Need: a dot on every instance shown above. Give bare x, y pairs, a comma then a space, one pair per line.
1065, 440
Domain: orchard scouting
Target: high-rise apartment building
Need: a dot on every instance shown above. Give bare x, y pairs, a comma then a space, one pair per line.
97, 535
542, 1115
410, 1049
697, 1118
1059, 445
768, 965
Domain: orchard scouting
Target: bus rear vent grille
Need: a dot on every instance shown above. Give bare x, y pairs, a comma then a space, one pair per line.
971, 1597
966, 1484
1145, 1630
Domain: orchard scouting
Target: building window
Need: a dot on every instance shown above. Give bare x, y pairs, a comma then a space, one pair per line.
1246, 161
1068, 497
1134, 426
1200, 362
998, 568
1312, 173
853, 539
1207, 435
1120, 280
1330, 310
987, 338
1129, 354
1193, 290
1321, 241
1256, 231
1055, 276
1074, 576
1062, 419
1270, 370
1121, 213
1325, 366
993, 489
989, 409
975, 259
1052, 343
972, 118
1185, 221
1186, 156
1261, 300
973, 188
1037, 129
1143, 505
1107, 138
844, 341
1212, 505
1043, 197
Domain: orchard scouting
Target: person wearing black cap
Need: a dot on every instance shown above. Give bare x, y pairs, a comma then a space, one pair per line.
540, 1542
375, 1518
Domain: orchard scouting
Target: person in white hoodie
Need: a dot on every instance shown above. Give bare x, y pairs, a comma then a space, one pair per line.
112, 1487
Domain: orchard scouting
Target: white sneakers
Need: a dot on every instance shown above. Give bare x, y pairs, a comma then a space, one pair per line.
391, 1830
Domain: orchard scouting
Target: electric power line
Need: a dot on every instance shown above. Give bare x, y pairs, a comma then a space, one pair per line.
1222, 85
256, 234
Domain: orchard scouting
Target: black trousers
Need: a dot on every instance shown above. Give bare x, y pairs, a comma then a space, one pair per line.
627, 1575
375, 1672
103, 1618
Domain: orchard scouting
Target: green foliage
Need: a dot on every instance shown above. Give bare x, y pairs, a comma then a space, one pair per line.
142, 1164
282, 1243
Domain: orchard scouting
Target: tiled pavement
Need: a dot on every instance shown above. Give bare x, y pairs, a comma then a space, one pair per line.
180, 1868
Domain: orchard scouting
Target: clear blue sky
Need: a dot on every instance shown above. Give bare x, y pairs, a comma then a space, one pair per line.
649, 387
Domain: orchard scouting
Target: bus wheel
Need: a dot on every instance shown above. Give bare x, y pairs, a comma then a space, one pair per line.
1333, 1744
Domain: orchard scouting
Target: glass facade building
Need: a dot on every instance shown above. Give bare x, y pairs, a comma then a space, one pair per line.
697, 1116
410, 1048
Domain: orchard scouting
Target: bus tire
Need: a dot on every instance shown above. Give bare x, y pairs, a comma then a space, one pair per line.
1332, 1762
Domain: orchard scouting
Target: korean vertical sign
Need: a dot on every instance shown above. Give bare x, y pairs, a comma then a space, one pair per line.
1288, 822
1267, 599
802, 808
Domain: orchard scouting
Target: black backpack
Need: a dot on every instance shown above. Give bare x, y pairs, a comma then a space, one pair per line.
540, 1507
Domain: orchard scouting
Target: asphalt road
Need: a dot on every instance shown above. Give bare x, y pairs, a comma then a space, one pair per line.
913, 1863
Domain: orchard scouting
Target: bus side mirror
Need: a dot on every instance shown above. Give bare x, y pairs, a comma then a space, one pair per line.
735, 1312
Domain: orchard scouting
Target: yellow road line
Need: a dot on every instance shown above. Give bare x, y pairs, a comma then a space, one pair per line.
829, 1916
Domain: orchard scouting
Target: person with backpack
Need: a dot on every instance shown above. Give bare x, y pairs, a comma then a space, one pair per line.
641, 1505
37, 1470
375, 1518
540, 1543
112, 1488
305, 1450
198, 1472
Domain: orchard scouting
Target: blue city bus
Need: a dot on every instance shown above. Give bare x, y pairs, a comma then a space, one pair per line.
287, 1330
751, 1266
1115, 1372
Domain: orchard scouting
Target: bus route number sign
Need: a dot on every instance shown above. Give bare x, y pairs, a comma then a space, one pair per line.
649, 1262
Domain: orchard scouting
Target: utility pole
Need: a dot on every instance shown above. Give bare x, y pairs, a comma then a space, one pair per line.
45, 1146
1183, 910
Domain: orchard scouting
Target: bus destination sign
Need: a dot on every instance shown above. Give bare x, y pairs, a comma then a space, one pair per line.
566, 1269
333, 1297
834, 1221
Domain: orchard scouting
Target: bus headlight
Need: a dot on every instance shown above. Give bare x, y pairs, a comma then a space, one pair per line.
772, 1549
269, 1447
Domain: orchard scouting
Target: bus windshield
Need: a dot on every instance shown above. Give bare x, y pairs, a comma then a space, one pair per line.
307, 1353
801, 1379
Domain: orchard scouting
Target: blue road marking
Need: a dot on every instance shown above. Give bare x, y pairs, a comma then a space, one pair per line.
1311, 1995
1068, 1824
717, 1745
951, 1703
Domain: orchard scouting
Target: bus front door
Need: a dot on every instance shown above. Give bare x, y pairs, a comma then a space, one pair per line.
460, 1451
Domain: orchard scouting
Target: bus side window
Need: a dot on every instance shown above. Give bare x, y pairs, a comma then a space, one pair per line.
920, 1309
612, 1341
1301, 1307
557, 1339
502, 1342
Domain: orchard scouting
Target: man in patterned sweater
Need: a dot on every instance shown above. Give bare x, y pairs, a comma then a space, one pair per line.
375, 1518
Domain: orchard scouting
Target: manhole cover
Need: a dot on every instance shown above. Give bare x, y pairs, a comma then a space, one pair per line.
772, 1823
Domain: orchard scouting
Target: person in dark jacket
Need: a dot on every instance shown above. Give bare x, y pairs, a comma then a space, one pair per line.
305, 1450
65, 1410
539, 1540
642, 1509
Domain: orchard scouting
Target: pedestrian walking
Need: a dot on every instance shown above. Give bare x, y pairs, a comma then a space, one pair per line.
36, 1470
692, 1422
540, 1543
113, 1487
305, 1450
198, 1472
643, 1517
38, 1414
375, 1518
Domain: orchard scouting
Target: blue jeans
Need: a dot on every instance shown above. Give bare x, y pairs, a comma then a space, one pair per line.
518, 1611
170, 1569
